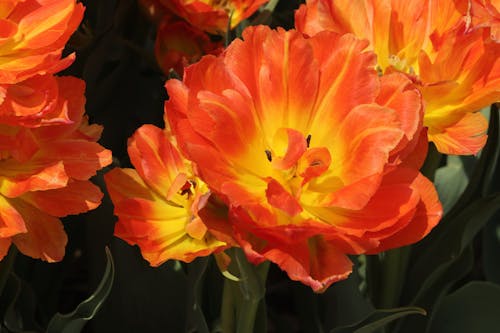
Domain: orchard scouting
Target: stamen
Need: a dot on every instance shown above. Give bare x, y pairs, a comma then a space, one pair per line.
268, 155
186, 189
308, 140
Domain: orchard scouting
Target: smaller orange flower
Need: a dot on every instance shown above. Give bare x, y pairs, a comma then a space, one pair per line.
179, 44
158, 203
44, 174
32, 36
213, 15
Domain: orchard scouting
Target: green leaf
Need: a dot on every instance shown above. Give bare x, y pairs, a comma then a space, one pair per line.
344, 302
434, 288
75, 321
379, 319
473, 308
456, 233
451, 180
441, 261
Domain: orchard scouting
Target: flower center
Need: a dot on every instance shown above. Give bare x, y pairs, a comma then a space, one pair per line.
296, 164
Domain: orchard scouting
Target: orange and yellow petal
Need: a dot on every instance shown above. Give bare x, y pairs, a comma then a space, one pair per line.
34, 102
157, 161
25, 177
11, 222
427, 214
44, 238
75, 198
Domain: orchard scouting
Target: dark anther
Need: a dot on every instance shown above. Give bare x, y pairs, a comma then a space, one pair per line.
193, 183
269, 156
308, 140
316, 163
186, 189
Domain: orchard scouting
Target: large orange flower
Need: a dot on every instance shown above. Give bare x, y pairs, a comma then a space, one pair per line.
213, 15
456, 68
315, 154
44, 174
32, 36
158, 203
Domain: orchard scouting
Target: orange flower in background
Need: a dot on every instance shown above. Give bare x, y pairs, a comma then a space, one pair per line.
179, 44
213, 15
457, 69
44, 174
158, 204
32, 36
316, 155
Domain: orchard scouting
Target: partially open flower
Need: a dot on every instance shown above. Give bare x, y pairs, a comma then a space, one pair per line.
32, 36
158, 203
456, 68
44, 174
179, 44
316, 155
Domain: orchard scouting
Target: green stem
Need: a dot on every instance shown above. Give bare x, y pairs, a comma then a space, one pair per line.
394, 267
241, 300
6, 266
228, 307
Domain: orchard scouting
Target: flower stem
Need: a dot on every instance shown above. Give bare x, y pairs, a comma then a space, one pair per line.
228, 306
241, 300
394, 267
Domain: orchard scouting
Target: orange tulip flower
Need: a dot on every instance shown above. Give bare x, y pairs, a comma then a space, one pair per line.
213, 16
158, 203
32, 36
316, 156
44, 174
456, 68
